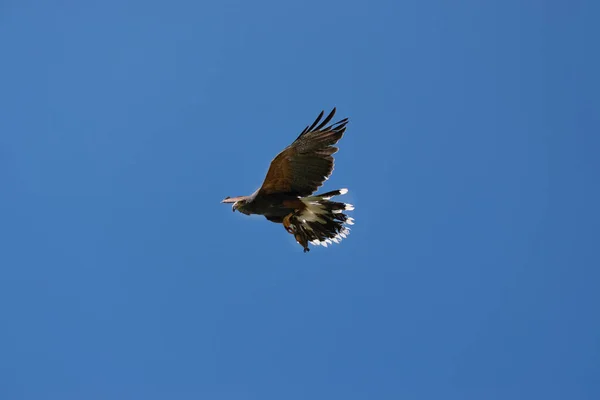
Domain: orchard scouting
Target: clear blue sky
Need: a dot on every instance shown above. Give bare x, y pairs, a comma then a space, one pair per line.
471, 155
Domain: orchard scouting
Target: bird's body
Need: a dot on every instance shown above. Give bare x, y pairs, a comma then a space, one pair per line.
276, 205
286, 195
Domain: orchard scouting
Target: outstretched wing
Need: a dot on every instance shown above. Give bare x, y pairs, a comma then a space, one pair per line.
302, 167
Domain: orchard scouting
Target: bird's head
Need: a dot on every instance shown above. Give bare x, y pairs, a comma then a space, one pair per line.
239, 203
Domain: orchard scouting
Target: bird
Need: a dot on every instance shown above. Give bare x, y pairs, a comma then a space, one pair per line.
286, 195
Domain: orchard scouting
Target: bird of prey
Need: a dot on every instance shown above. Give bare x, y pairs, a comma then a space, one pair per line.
286, 195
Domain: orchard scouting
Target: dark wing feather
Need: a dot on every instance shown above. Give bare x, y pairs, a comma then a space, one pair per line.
302, 167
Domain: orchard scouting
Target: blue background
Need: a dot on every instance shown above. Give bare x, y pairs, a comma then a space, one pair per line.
471, 156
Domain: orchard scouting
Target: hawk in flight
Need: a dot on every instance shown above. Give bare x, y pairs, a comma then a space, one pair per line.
286, 195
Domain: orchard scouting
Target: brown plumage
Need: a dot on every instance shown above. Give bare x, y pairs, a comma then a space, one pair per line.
293, 176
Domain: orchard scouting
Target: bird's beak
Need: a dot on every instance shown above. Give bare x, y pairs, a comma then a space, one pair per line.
234, 200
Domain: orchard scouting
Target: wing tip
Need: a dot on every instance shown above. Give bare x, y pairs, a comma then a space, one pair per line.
318, 124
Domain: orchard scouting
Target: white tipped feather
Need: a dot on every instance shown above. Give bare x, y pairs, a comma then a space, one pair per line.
318, 210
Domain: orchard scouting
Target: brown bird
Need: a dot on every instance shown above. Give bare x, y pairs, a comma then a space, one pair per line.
286, 195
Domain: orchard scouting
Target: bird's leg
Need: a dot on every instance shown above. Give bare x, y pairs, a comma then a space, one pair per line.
298, 235
301, 239
287, 223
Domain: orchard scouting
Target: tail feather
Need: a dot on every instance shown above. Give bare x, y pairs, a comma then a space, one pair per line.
329, 195
322, 221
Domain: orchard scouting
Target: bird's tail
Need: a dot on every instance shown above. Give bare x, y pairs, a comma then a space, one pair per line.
321, 221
